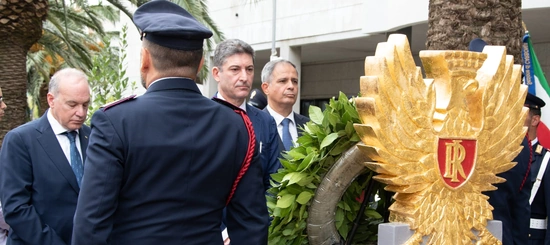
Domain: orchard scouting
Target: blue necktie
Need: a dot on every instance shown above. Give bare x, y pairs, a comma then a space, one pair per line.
287, 139
76, 160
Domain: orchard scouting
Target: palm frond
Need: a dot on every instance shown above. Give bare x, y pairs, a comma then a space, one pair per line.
122, 7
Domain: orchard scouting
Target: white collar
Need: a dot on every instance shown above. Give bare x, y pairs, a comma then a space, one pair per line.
242, 106
166, 78
534, 141
56, 126
278, 117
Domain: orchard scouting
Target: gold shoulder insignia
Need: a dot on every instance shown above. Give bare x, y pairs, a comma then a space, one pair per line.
539, 149
117, 102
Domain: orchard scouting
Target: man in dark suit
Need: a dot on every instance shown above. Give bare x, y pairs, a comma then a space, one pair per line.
42, 163
234, 71
161, 167
280, 84
540, 193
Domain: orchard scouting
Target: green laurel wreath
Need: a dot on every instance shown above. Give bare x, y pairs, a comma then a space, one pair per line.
325, 138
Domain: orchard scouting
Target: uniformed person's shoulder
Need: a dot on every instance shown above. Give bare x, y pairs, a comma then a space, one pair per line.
118, 102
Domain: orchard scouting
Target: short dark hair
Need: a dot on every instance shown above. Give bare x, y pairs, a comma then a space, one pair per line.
231, 47
172, 61
535, 112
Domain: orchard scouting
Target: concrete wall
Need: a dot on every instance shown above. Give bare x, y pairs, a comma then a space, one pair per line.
325, 80
543, 55
306, 22
295, 19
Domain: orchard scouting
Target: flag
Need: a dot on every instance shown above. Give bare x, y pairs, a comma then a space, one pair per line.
537, 85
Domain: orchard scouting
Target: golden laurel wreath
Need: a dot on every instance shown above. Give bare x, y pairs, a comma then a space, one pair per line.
439, 142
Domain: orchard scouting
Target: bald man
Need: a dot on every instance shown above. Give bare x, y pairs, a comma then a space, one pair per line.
42, 164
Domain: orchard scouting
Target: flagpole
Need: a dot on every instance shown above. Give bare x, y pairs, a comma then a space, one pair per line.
538, 85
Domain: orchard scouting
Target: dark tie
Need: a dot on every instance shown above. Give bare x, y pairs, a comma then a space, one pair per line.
76, 161
287, 139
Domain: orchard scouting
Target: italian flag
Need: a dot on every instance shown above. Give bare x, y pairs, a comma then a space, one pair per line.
535, 80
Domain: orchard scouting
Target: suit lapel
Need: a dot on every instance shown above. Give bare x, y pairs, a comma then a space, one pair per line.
256, 120
48, 141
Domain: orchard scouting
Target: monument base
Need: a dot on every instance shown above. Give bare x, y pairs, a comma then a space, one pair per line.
399, 233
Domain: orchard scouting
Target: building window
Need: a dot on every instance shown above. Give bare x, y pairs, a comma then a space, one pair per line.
304, 105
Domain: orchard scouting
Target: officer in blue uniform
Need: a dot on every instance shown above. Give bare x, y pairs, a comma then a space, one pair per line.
161, 167
511, 200
540, 194
257, 99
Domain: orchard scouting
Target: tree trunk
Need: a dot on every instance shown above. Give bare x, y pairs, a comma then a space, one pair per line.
43, 98
20, 27
452, 24
14, 85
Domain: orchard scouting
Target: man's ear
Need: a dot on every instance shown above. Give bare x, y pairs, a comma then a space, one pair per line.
145, 61
50, 99
216, 74
265, 87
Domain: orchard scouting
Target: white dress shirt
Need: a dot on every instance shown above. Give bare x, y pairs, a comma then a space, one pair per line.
534, 141
242, 106
279, 119
166, 78
63, 140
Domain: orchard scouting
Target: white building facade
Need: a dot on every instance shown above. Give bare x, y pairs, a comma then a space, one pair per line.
328, 40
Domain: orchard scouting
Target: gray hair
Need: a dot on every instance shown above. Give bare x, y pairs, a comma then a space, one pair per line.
62, 74
229, 48
270, 66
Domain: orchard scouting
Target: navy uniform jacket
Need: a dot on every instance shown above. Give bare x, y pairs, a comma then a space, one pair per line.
39, 188
268, 137
539, 207
511, 206
160, 168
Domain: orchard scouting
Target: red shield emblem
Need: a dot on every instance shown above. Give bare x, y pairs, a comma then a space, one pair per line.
456, 159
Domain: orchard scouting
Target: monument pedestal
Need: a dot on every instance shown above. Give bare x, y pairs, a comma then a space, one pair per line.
399, 233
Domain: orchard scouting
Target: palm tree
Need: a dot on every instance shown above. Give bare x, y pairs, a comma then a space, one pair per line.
453, 24
71, 34
64, 43
20, 28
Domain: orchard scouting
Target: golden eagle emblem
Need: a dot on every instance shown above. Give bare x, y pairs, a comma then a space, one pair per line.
439, 142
